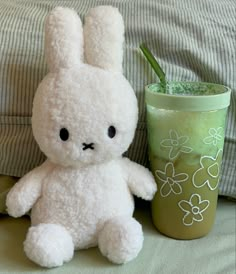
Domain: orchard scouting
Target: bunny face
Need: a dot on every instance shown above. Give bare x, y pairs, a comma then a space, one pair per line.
84, 115
84, 111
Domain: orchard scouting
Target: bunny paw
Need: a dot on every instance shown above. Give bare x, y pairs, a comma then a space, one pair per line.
49, 245
121, 239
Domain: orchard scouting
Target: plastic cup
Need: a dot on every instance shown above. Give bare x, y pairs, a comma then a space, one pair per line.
186, 125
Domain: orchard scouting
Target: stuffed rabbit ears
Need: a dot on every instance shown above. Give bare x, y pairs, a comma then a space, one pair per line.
100, 43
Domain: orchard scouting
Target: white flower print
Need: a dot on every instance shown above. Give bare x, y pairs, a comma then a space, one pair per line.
215, 135
176, 144
209, 171
170, 180
193, 209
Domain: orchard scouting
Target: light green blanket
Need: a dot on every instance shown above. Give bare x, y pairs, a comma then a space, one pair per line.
212, 254
6, 183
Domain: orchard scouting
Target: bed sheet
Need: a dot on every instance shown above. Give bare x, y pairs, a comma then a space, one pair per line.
215, 253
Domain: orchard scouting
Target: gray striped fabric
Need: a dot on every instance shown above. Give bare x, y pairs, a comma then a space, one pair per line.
193, 40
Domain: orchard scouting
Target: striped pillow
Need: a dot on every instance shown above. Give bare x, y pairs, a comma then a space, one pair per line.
193, 40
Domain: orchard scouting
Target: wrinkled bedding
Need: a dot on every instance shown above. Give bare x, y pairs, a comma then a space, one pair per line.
215, 253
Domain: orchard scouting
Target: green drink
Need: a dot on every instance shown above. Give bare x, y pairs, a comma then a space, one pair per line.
186, 124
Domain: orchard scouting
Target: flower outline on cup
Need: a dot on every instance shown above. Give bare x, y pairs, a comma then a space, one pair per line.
176, 144
215, 135
170, 180
193, 209
212, 169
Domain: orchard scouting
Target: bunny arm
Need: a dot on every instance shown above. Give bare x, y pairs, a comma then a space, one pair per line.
140, 180
27, 190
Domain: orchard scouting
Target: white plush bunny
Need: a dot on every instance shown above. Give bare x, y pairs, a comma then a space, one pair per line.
84, 117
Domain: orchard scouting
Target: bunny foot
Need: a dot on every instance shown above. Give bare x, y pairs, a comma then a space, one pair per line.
49, 245
121, 239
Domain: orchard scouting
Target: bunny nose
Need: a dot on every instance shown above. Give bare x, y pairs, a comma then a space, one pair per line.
86, 146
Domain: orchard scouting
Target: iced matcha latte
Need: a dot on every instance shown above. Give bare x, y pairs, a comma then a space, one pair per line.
186, 124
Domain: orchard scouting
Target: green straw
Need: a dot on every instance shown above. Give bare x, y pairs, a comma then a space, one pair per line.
153, 62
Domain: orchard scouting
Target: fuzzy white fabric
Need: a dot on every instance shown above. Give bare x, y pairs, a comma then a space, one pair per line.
121, 239
103, 38
63, 39
82, 195
50, 244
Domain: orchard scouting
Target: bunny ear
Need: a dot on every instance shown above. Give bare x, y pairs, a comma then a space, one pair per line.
103, 38
63, 38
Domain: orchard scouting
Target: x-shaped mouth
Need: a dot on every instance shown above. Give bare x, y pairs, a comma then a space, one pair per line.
86, 146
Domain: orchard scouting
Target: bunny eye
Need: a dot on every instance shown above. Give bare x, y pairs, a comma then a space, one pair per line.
64, 134
111, 131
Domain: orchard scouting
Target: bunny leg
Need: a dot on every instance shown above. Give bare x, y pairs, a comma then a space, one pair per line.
49, 245
121, 239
